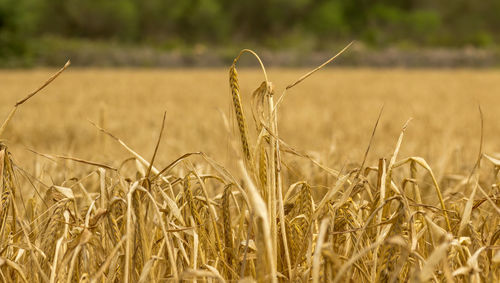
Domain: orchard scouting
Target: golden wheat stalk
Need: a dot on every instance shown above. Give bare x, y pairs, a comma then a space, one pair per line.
20, 102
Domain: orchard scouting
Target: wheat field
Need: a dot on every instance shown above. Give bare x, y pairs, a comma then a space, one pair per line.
140, 175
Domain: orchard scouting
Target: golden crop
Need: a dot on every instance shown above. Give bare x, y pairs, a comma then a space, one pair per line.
244, 185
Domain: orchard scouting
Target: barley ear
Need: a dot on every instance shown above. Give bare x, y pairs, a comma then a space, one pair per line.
228, 232
263, 170
240, 117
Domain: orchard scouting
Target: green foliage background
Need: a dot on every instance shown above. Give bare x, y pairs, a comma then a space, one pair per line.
278, 24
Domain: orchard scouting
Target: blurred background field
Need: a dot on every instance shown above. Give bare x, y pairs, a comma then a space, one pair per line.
330, 115
210, 32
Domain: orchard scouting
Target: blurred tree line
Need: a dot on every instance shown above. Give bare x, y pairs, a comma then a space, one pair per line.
273, 23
